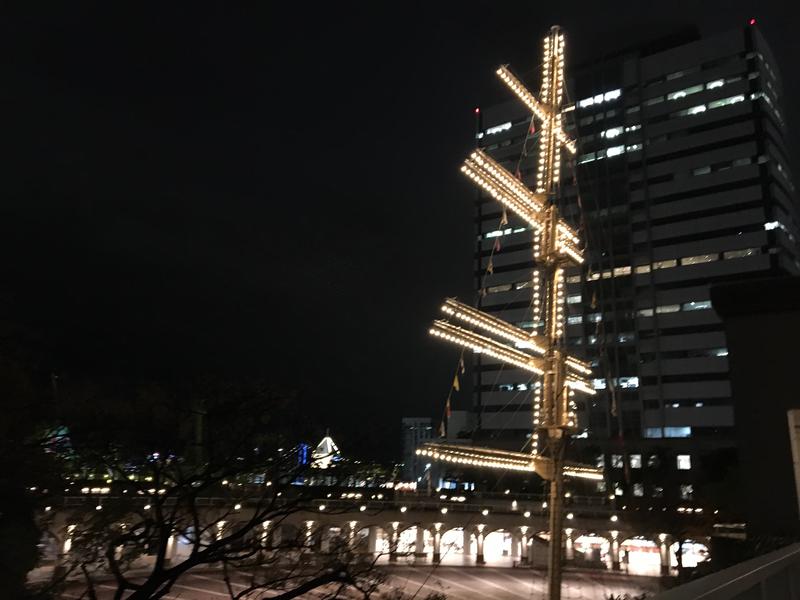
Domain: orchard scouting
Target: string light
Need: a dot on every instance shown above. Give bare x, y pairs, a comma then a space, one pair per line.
503, 459
481, 344
494, 325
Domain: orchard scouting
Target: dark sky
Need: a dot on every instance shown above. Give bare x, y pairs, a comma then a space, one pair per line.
270, 192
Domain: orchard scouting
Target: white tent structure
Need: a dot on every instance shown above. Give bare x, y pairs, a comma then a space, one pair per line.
325, 453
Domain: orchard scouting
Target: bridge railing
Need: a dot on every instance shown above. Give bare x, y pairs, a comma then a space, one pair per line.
768, 577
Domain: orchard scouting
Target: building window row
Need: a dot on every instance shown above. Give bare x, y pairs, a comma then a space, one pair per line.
683, 462
667, 432
667, 264
625, 383
608, 153
600, 98
673, 308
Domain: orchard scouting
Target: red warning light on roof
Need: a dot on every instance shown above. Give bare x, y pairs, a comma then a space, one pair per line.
752, 21
477, 111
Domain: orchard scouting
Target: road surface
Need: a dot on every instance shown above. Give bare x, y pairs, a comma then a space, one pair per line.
457, 583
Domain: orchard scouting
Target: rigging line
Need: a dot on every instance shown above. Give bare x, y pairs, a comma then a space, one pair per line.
603, 353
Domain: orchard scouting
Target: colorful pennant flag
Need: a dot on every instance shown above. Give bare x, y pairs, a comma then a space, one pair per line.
490, 267
456, 386
496, 245
461, 366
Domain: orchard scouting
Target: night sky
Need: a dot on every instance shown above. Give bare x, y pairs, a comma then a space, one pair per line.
271, 192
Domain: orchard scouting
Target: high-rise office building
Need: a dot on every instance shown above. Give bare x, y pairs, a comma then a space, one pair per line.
680, 180
416, 431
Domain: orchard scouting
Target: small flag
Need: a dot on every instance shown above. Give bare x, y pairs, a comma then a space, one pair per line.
490, 267
482, 292
456, 386
447, 408
504, 218
533, 126
461, 366
496, 245
594, 299
442, 431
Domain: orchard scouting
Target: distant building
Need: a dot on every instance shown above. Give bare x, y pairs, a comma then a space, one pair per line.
416, 431
681, 180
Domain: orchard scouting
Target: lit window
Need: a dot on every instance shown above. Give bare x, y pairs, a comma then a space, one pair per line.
718, 352
616, 461
627, 383
703, 305
633, 127
684, 92
651, 101
611, 133
600, 98
771, 225
620, 271
741, 162
600, 461
585, 158
700, 108
601, 486
575, 320
701, 171
632, 109
594, 317
687, 491
493, 234
741, 253
645, 312
575, 299
636, 461
658, 491
653, 462
499, 288
624, 338
726, 101
498, 128
684, 462
665, 264
615, 151
521, 285
668, 308
574, 279
640, 269
592, 339
599, 384
701, 258
633, 148
618, 491
638, 489
717, 83
677, 432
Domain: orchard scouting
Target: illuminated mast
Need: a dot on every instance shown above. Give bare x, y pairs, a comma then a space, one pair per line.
555, 247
